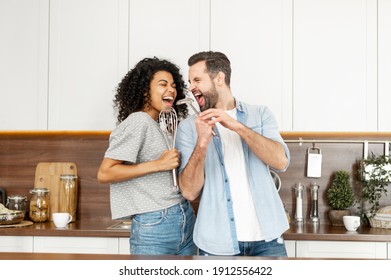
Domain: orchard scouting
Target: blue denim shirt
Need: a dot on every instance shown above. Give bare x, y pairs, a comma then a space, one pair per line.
215, 230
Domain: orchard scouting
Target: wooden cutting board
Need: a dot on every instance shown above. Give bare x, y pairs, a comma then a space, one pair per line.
47, 175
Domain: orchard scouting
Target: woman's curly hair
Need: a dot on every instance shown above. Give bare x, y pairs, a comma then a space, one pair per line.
133, 92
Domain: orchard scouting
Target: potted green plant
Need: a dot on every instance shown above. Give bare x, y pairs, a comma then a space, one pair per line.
340, 197
375, 175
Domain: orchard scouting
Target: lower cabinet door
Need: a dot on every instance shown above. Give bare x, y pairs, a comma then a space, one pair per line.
124, 247
290, 246
86, 245
341, 249
16, 244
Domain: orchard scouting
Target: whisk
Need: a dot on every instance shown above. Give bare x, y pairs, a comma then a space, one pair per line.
168, 122
189, 102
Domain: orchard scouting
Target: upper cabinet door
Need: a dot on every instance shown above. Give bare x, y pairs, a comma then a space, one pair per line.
384, 65
256, 35
335, 65
24, 27
87, 58
170, 29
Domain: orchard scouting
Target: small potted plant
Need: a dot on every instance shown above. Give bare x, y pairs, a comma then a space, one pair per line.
375, 175
340, 197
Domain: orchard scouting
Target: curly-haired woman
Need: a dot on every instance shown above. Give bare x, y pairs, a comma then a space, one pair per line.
138, 164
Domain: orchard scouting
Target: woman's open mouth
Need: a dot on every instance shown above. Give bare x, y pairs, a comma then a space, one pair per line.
168, 101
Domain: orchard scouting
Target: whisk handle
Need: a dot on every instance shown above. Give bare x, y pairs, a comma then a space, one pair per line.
175, 179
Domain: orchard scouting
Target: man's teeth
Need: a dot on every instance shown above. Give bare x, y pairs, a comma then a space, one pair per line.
168, 98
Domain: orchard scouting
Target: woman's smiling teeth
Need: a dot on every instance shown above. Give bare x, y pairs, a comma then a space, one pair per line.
169, 100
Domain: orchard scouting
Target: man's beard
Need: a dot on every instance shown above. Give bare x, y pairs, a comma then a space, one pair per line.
210, 99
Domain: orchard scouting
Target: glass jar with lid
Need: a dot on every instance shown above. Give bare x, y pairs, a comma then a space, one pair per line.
17, 202
39, 204
68, 195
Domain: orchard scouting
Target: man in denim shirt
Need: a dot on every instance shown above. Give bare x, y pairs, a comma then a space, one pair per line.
226, 153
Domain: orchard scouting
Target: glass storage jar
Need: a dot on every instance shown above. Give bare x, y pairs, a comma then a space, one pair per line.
17, 202
68, 195
39, 204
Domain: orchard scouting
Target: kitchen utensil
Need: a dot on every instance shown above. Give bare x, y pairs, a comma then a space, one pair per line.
168, 122
314, 203
47, 175
299, 202
314, 163
188, 101
276, 179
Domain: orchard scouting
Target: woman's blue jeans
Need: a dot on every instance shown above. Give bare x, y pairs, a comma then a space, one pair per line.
165, 232
273, 248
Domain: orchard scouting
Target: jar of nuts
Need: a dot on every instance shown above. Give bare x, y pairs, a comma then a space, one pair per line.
39, 205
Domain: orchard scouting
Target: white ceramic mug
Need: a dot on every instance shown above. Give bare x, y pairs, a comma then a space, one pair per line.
351, 223
61, 219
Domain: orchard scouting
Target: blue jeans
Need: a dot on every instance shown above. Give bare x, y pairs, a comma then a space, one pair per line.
164, 232
274, 248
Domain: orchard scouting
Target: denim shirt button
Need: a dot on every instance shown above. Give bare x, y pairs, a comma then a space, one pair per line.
232, 219
228, 199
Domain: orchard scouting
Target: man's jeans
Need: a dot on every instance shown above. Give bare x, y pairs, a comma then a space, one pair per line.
274, 248
165, 232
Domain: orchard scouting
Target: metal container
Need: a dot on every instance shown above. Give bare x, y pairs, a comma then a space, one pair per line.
17, 202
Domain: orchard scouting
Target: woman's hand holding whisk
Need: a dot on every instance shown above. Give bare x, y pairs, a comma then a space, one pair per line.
169, 160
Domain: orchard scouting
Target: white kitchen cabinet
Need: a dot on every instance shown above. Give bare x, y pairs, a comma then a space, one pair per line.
341, 249
335, 65
123, 246
290, 246
170, 29
88, 57
384, 49
319, 65
16, 244
86, 245
389, 250
24, 29
257, 38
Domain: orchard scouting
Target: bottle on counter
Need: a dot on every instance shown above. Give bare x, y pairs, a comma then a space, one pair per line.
314, 203
299, 189
39, 205
68, 195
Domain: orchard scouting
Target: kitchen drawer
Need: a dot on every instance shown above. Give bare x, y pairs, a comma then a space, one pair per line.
16, 244
341, 249
84, 245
